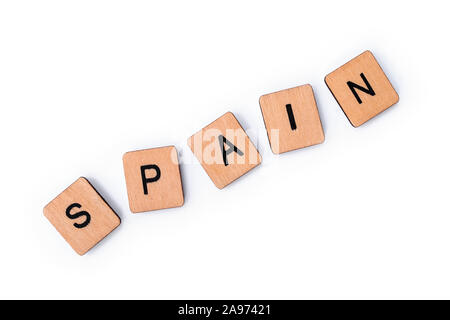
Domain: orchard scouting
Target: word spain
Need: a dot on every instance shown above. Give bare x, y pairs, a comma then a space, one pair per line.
224, 150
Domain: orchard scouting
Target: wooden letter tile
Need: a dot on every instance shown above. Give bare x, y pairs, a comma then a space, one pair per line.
292, 119
81, 216
153, 179
224, 150
361, 88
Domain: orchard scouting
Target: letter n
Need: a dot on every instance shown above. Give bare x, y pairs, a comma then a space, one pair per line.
354, 86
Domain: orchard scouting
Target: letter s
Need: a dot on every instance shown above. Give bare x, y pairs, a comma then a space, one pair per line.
78, 215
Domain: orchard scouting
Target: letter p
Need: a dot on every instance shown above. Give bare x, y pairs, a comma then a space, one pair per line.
145, 180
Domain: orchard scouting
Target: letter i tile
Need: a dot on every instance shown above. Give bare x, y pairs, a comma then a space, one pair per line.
292, 119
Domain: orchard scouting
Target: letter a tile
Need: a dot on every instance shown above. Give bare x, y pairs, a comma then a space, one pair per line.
361, 88
81, 216
292, 119
224, 150
153, 179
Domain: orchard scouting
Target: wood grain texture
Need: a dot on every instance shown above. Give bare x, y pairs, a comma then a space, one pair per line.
370, 106
166, 192
206, 146
103, 219
301, 129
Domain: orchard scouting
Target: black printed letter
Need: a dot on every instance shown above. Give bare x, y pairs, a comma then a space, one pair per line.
77, 215
291, 117
367, 90
146, 180
232, 148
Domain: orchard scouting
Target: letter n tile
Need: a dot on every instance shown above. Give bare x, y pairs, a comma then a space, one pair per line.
361, 88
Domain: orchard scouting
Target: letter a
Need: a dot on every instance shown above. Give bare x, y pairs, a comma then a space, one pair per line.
232, 148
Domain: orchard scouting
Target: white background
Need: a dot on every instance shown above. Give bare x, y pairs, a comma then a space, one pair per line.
364, 215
